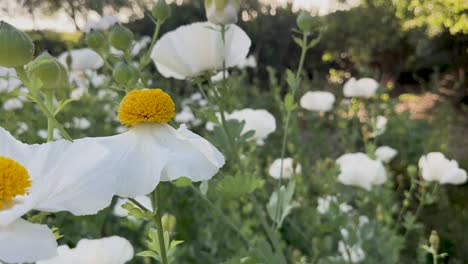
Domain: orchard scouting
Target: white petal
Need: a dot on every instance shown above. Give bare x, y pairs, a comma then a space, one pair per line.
110, 250
191, 155
192, 50
136, 162
26, 242
82, 59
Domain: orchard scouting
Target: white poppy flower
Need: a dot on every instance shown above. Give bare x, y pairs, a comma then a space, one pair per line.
318, 101
222, 12
196, 49
351, 254
249, 62
77, 93
288, 168
82, 59
109, 250
51, 177
12, 104
140, 45
357, 169
436, 167
385, 153
262, 122
365, 87
8, 80
345, 208
151, 150
380, 125
122, 212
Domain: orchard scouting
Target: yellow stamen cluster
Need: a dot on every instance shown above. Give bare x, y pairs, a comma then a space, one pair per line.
14, 181
144, 106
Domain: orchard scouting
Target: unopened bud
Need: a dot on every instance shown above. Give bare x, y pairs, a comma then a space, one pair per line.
222, 12
412, 170
168, 222
120, 37
95, 40
48, 70
124, 73
306, 22
161, 10
434, 240
16, 48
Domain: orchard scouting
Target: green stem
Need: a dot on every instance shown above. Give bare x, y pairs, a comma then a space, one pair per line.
50, 123
288, 118
146, 58
157, 219
142, 207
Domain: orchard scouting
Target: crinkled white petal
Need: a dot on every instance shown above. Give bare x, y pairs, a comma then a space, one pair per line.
194, 49
436, 167
386, 153
22, 241
109, 250
365, 87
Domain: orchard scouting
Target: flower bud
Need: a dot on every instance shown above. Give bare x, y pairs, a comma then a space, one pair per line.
95, 40
412, 170
125, 74
48, 70
222, 12
306, 22
16, 48
168, 222
434, 240
161, 10
120, 37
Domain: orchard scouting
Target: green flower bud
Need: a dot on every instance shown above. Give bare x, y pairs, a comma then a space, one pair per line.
412, 170
16, 48
120, 37
95, 40
125, 74
434, 240
306, 22
168, 222
161, 10
48, 70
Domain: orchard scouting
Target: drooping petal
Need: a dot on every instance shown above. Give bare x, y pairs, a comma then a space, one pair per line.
191, 155
194, 49
22, 241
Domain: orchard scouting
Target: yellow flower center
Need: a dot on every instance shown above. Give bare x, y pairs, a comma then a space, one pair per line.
14, 180
148, 105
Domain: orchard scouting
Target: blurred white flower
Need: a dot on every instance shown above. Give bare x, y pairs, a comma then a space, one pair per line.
8, 80
317, 101
222, 12
351, 254
186, 116
219, 76
140, 45
249, 62
77, 93
345, 208
357, 169
385, 153
102, 23
436, 167
196, 49
323, 203
109, 250
365, 87
380, 125
12, 104
122, 212
288, 168
262, 122
22, 127
49, 177
363, 220
81, 123
82, 59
